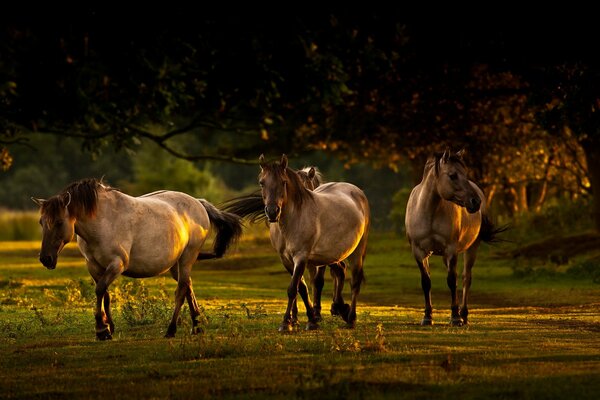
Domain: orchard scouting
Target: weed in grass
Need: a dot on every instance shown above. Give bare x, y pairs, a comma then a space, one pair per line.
378, 343
138, 307
80, 292
257, 312
344, 341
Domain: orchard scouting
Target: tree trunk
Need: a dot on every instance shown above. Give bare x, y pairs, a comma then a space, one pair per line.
591, 149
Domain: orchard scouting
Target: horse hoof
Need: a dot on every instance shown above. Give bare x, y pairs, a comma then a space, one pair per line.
350, 325
456, 321
286, 327
318, 318
104, 335
197, 330
169, 335
311, 326
345, 313
427, 321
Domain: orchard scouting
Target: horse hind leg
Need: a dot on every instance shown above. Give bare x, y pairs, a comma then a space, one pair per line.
192, 303
356, 260
184, 290
317, 279
338, 307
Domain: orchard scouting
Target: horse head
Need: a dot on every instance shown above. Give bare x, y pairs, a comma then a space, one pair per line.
453, 184
58, 227
273, 181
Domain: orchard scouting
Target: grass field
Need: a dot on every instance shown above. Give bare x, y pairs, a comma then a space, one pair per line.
532, 336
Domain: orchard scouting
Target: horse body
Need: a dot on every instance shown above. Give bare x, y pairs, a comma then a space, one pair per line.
440, 226
338, 209
133, 236
151, 236
446, 216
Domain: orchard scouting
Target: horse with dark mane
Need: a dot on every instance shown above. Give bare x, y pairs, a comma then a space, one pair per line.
137, 237
252, 207
446, 215
310, 229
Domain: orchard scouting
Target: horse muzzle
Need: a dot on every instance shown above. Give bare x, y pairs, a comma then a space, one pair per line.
48, 261
273, 212
473, 205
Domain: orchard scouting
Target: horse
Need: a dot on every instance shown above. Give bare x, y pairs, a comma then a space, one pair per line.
446, 215
252, 207
311, 229
138, 237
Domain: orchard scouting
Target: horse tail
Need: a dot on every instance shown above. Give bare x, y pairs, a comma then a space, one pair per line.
250, 206
489, 231
229, 229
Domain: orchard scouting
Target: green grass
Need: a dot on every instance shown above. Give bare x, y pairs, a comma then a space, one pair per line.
530, 337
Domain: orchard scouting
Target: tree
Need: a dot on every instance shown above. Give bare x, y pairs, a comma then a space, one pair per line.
569, 92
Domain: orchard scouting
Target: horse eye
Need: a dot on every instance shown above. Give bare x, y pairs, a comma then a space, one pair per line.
454, 176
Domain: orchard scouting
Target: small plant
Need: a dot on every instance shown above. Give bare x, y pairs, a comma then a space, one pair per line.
257, 312
343, 341
139, 307
79, 292
378, 344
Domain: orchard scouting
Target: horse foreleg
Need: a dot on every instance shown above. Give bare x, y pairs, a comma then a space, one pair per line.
108, 313
423, 263
310, 311
103, 321
470, 256
450, 262
298, 272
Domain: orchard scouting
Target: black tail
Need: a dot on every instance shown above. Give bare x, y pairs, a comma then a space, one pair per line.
250, 206
229, 229
489, 232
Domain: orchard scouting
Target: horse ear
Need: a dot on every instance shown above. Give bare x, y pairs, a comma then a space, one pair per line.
460, 153
284, 161
39, 202
311, 172
446, 155
68, 199
261, 160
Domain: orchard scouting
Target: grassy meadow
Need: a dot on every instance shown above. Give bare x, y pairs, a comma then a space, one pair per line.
534, 332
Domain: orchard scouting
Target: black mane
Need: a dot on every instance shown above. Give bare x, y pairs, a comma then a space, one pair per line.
80, 197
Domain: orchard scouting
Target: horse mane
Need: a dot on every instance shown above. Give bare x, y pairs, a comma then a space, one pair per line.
80, 198
434, 162
298, 191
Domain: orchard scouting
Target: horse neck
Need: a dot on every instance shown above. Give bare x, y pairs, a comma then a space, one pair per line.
430, 198
88, 227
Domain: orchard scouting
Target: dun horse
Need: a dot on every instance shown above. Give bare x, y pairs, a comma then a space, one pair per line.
312, 178
310, 229
446, 215
137, 237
